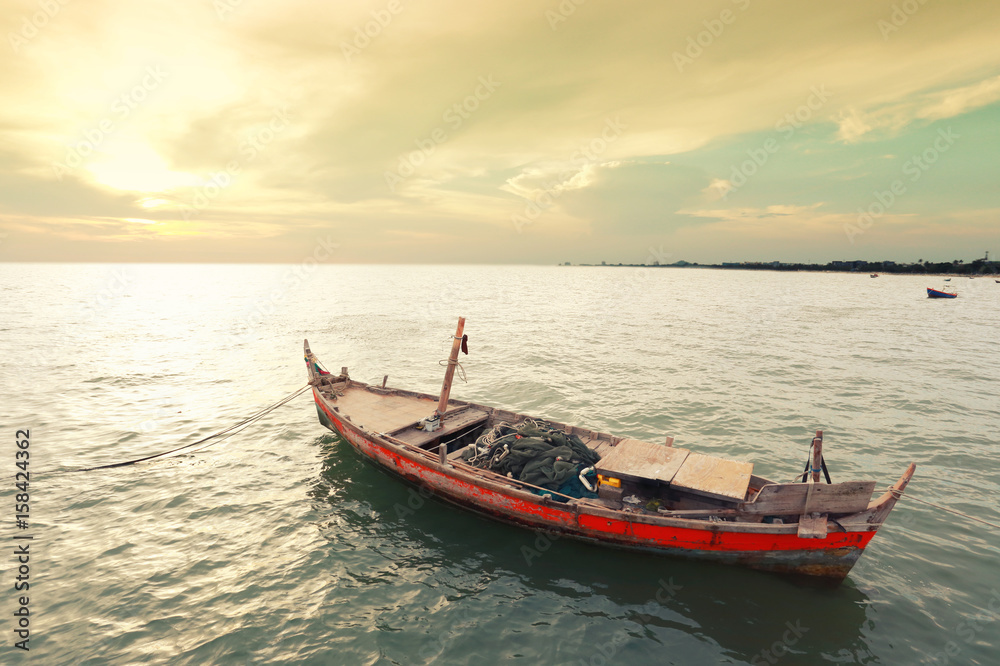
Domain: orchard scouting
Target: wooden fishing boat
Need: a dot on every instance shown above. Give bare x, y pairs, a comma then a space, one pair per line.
644, 496
939, 293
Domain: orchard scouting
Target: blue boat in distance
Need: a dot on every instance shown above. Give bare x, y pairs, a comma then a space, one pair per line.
935, 293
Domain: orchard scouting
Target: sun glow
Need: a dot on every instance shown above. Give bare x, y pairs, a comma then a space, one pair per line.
138, 168
152, 202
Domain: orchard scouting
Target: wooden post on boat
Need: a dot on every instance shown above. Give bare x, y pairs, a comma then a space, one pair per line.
449, 374
813, 526
817, 456
812, 472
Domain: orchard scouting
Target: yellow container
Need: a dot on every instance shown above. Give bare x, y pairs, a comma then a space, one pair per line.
614, 483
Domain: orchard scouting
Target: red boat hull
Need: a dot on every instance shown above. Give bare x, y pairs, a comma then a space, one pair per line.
756, 545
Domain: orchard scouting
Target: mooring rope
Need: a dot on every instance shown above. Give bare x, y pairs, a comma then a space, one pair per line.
223, 434
898, 494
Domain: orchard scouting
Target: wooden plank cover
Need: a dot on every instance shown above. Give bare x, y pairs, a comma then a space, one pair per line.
790, 498
636, 460
715, 477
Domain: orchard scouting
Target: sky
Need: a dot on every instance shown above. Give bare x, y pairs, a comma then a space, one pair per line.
542, 131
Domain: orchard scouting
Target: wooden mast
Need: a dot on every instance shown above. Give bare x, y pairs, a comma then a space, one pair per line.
449, 374
817, 456
813, 525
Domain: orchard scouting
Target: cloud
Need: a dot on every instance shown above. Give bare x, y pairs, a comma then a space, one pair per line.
954, 102
637, 198
930, 106
851, 125
555, 179
358, 113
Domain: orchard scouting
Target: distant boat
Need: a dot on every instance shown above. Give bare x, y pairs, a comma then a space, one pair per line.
873, 275
947, 279
934, 293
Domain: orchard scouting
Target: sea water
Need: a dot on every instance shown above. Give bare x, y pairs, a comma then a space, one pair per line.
280, 545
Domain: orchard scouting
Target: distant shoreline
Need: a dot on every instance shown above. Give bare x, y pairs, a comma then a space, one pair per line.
978, 268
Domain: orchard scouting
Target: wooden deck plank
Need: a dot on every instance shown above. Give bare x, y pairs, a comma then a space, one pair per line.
601, 446
790, 498
715, 477
634, 459
383, 413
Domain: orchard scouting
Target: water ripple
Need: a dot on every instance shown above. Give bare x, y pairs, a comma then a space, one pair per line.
281, 546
